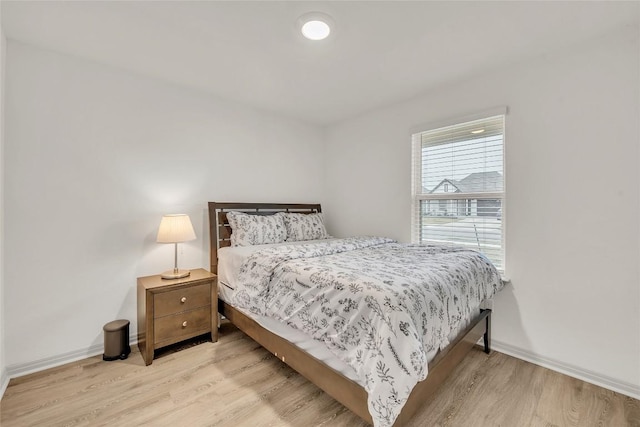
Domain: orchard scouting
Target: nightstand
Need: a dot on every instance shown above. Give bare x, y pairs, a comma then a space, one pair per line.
174, 310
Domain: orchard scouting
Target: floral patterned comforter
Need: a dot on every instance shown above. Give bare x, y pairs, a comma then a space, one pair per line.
382, 307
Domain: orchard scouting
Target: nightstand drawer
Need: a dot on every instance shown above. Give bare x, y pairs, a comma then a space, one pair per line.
165, 305
183, 299
183, 325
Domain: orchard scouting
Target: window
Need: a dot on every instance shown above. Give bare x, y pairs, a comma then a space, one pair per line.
458, 186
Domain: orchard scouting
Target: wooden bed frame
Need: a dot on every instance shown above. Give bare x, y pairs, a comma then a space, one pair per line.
344, 390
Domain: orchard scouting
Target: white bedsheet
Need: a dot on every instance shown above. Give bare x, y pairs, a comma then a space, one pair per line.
230, 260
302, 341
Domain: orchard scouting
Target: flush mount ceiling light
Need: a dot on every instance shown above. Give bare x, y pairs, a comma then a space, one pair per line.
477, 131
316, 30
315, 25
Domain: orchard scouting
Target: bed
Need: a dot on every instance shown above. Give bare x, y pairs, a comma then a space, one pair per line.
336, 367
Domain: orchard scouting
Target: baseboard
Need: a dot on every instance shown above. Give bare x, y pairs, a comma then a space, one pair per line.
20, 369
4, 382
628, 389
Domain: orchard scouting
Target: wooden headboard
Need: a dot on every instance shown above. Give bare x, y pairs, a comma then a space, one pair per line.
220, 231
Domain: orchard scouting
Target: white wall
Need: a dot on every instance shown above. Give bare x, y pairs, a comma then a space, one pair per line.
572, 161
4, 378
94, 157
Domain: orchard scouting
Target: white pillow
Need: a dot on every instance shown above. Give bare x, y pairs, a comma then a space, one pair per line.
249, 230
304, 226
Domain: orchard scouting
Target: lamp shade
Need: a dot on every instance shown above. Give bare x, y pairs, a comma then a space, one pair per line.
175, 228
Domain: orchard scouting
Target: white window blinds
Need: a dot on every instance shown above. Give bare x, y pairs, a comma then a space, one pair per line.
458, 186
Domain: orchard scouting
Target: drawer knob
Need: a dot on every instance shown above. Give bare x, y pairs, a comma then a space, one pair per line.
183, 299
184, 324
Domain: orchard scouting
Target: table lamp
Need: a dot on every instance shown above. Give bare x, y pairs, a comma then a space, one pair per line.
175, 228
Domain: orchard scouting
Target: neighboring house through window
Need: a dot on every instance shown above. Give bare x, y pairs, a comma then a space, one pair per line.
458, 186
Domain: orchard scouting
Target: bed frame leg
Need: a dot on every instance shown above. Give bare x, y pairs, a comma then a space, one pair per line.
487, 334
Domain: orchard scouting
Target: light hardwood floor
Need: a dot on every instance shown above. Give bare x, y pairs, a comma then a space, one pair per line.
235, 382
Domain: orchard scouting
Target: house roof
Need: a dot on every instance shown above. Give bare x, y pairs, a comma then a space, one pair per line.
475, 182
481, 181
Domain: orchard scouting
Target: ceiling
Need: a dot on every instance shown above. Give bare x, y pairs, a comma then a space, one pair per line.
380, 52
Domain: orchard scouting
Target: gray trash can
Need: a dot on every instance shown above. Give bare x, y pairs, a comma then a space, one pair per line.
116, 340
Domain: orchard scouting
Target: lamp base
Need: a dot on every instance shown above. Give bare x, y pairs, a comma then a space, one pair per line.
175, 274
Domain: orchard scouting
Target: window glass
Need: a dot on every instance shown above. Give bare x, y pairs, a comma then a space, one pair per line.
458, 186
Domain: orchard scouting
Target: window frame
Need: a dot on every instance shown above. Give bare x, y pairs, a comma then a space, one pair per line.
417, 194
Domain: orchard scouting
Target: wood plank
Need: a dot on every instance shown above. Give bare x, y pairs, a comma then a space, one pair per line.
347, 392
237, 382
338, 386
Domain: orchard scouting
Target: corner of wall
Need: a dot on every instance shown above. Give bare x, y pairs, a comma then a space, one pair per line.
622, 387
20, 369
4, 378
4, 381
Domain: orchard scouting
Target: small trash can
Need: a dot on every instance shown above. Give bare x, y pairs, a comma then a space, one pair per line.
116, 340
